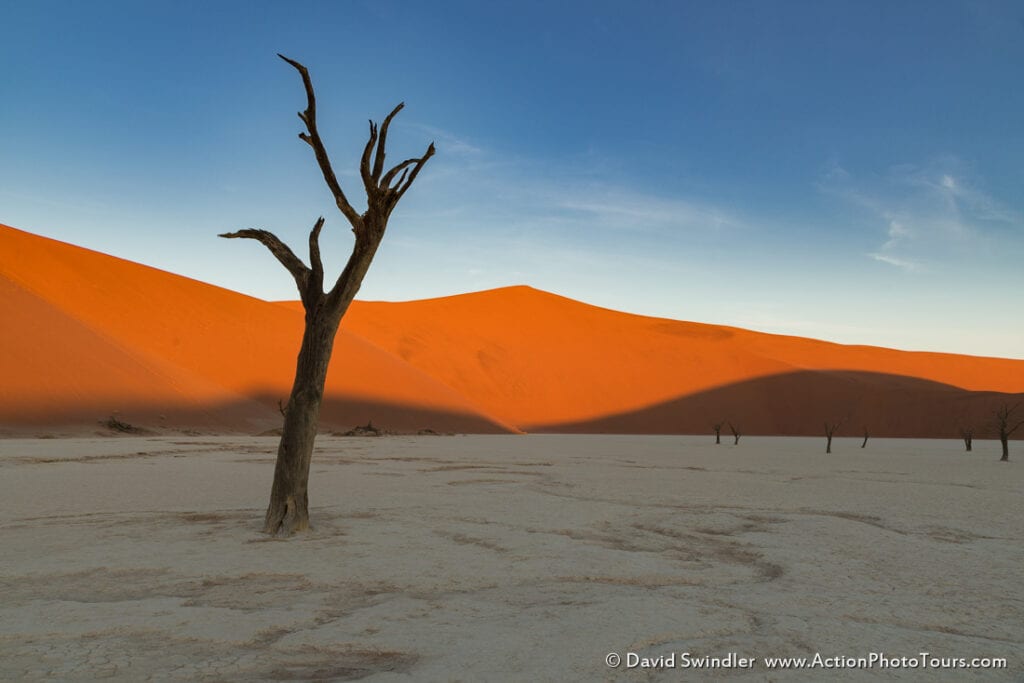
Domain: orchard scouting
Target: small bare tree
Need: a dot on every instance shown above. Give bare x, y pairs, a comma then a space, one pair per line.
718, 432
288, 511
830, 430
1006, 427
967, 434
735, 434
864, 444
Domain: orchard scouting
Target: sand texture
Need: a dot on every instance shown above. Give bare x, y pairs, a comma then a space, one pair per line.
505, 558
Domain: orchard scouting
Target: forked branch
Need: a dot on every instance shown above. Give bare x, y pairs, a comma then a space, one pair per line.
400, 189
313, 140
309, 280
1003, 414
371, 177
369, 227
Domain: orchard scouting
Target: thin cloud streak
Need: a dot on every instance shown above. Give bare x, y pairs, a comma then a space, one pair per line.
932, 213
893, 261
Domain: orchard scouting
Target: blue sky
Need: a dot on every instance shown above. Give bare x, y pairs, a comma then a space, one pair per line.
850, 171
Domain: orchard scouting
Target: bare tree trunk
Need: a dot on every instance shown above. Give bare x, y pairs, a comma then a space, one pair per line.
718, 433
830, 429
1002, 420
865, 443
288, 510
968, 436
735, 434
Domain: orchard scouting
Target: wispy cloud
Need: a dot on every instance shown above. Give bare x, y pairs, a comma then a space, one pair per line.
450, 142
481, 192
898, 262
927, 213
638, 211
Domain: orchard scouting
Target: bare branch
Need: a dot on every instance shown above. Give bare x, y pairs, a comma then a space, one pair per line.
313, 139
378, 161
317, 265
400, 190
364, 163
279, 249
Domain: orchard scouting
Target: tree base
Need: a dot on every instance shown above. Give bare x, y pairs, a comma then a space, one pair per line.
287, 517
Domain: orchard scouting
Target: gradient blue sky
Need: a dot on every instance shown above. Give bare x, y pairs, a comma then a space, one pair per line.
851, 171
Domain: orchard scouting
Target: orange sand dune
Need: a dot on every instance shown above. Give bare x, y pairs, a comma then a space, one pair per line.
135, 336
55, 366
541, 360
124, 334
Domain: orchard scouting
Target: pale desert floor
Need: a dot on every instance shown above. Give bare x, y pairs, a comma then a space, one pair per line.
517, 558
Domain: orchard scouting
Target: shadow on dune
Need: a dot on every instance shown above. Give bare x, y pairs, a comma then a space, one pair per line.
255, 416
798, 404
790, 404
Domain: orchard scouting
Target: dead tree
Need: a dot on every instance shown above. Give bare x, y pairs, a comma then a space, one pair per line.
830, 430
1006, 427
288, 511
864, 444
735, 434
967, 434
718, 432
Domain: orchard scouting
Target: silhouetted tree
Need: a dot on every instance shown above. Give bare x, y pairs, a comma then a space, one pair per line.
830, 430
967, 434
1006, 427
718, 432
288, 511
865, 442
735, 434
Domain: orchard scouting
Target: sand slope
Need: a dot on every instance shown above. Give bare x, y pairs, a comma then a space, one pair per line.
91, 334
545, 362
179, 344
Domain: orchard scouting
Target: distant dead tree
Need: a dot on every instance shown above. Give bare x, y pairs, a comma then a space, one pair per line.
718, 432
830, 430
735, 434
288, 511
967, 434
865, 442
1006, 427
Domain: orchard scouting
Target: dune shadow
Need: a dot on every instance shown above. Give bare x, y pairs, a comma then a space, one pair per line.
258, 415
798, 404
